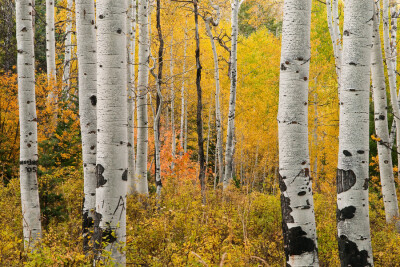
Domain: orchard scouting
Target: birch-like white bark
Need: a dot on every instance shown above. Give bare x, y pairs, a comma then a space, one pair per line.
112, 137
299, 230
334, 30
352, 174
185, 141
131, 50
218, 117
68, 48
32, 229
142, 89
171, 69
182, 126
391, 70
381, 126
235, 6
51, 52
87, 75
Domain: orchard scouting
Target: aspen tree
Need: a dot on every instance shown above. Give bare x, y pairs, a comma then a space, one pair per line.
131, 51
51, 54
183, 100
32, 229
171, 68
352, 173
299, 230
235, 6
68, 48
112, 139
142, 91
209, 21
381, 126
87, 75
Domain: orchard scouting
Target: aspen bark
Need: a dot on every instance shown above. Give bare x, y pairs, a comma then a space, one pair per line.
352, 174
218, 117
131, 50
51, 54
87, 75
381, 126
112, 139
68, 48
299, 230
235, 6
142, 89
32, 229
171, 68
199, 121
183, 108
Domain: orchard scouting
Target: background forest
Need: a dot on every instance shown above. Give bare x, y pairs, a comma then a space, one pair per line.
180, 228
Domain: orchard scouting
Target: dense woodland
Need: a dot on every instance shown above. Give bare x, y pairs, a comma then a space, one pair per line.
199, 133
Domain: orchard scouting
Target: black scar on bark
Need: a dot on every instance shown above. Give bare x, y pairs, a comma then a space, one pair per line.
93, 100
382, 117
97, 234
346, 213
125, 176
283, 67
347, 153
109, 235
345, 180
282, 185
99, 175
366, 183
360, 151
87, 224
286, 209
298, 242
350, 255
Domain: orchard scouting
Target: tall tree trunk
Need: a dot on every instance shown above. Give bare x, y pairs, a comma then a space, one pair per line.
171, 68
51, 58
185, 141
68, 49
142, 88
200, 139
131, 39
218, 118
381, 126
28, 124
299, 231
352, 174
87, 61
332, 9
112, 139
183, 108
235, 6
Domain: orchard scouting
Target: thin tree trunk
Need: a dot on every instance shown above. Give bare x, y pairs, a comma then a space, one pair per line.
218, 118
208, 139
51, 59
235, 6
183, 108
143, 83
131, 39
32, 229
112, 135
352, 174
87, 61
200, 139
294, 163
171, 68
185, 143
381, 127
68, 49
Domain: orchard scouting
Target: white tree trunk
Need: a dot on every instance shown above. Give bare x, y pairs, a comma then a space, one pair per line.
28, 124
352, 175
131, 50
112, 139
235, 6
334, 30
299, 231
381, 126
218, 117
391, 70
68, 48
185, 141
87, 75
142, 88
182, 128
171, 69
51, 51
